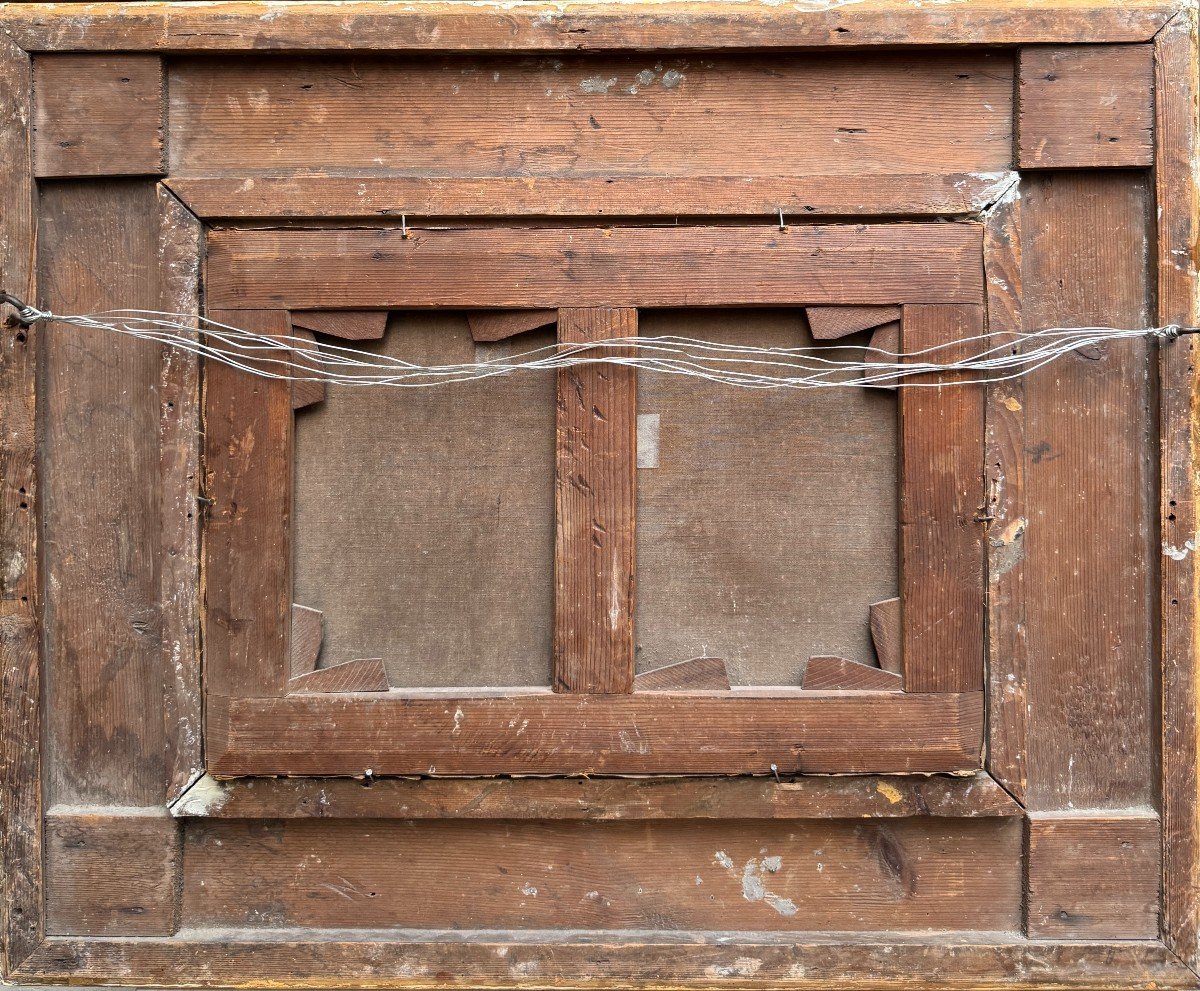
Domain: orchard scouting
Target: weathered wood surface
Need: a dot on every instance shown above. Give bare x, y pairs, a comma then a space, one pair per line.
952, 193
544, 733
429, 117
546, 26
941, 498
840, 797
111, 875
20, 598
621, 266
595, 505
1087, 470
248, 444
351, 325
1094, 876
98, 115
839, 674
1177, 165
1086, 106
798, 875
697, 673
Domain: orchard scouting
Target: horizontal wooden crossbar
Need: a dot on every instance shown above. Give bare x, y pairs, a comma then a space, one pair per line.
620, 266
736, 732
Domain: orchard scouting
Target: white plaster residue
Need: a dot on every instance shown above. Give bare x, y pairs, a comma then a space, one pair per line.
724, 860
205, 797
672, 78
458, 719
529, 889
1178, 553
741, 967
754, 885
597, 84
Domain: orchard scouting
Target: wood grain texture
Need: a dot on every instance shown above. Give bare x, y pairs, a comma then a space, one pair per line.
941, 499
111, 875
248, 455
841, 797
1006, 505
950, 193
595, 506
886, 623
20, 636
98, 115
616, 960
697, 673
814, 875
498, 325
544, 26
305, 639
1087, 612
363, 674
180, 245
622, 115
621, 266
828, 323
1177, 164
1086, 106
448, 733
1094, 876
350, 325
830, 674
102, 509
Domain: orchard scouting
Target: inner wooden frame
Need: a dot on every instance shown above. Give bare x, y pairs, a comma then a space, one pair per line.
592, 720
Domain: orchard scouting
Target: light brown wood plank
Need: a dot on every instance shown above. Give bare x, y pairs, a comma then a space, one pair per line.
1086, 106
697, 673
831, 674
622, 266
951, 193
813, 797
20, 633
363, 674
828, 323
101, 506
350, 325
654, 875
304, 644
886, 620
1087, 564
547, 733
98, 115
545, 26
111, 875
1177, 164
434, 117
1094, 876
180, 240
595, 506
248, 444
941, 498
501, 324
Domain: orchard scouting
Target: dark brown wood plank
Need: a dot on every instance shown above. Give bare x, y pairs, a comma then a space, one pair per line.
98, 115
180, 239
1088, 589
594, 506
432, 117
831, 674
886, 623
1177, 164
697, 673
546, 27
813, 797
350, 325
623, 266
1086, 106
363, 674
545, 733
501, 324
952, 193
941, 499
248, 444
20, 637
111, 875
1094, 876
102, 509
828, 323
909, 874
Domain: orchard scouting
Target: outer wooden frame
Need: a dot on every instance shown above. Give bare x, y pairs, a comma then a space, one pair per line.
734, 960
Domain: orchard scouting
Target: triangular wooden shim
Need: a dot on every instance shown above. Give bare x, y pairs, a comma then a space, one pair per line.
365, 674
350, 325
828, 323
305, 393
698, 674
885, 338
497, 325
885, 633
833, 674
307, 634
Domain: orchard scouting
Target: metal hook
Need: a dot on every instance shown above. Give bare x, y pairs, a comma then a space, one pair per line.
26, 314
782, 225
403, 227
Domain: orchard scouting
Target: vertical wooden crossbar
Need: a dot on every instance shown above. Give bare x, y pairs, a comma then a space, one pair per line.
595, 506
941, 500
